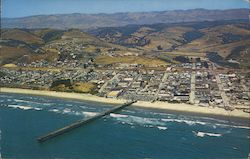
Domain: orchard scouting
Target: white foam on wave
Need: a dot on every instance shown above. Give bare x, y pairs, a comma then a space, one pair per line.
73, 112
163, 114
118, 115
89, 113
213, 119
162, 127
27, 101
20, 100
131, 120
66, 111
24, 107
54, 110
214, 125
48, 104
232, 126
189, 122
202, 134
38, 109
20, 107
128, 111
240, 127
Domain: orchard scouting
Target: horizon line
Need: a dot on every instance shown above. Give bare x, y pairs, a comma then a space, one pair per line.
35, 15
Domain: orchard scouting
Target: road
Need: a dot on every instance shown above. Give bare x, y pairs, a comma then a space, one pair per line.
192, 91
106, 83
223, 94
164, 78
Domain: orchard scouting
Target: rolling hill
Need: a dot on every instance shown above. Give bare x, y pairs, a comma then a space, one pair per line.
25, 45
230, 39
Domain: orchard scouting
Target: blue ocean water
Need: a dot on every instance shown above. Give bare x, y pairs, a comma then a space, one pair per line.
132, 133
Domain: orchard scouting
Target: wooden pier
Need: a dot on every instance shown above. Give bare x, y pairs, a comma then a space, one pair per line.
82, 122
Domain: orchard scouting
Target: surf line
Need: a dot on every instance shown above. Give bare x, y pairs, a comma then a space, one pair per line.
82, 122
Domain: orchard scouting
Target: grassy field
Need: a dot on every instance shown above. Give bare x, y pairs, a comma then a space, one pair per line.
79, 87
84, 87
8, 53
166, 38
189, 54
17, 34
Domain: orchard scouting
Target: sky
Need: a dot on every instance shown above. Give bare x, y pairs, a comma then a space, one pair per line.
22, 8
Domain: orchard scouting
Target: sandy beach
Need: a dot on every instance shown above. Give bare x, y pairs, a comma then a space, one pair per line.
180, 107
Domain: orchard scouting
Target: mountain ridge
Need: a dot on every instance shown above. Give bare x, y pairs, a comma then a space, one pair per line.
87, 21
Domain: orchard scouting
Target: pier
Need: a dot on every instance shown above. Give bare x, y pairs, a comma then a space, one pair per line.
82, 122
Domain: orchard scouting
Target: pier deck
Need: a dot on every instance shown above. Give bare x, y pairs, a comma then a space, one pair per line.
82, 122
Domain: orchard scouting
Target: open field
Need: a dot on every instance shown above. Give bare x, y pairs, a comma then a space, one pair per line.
129, 60
183, 53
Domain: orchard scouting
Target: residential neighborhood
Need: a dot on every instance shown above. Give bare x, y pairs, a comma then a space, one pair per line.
192, 83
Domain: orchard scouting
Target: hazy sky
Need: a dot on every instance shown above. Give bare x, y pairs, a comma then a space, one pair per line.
21, 8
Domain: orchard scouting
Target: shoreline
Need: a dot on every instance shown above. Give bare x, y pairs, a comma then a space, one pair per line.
179, 107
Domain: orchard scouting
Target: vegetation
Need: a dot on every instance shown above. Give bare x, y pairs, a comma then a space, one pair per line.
21, 35
61, 83
84, 87
129, 60
2, 74
65, 85
182, 59
216, 58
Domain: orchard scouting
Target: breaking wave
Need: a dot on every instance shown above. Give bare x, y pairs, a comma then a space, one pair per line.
131, 119
118, 115
27, 101
89, 113
189, 122
149, 119
23, 107
73, 112
202, 134
162, 127
54, 110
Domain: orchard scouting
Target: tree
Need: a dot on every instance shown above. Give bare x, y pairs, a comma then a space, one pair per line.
159, 47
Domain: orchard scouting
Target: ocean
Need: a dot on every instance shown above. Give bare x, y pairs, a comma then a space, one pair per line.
133, 133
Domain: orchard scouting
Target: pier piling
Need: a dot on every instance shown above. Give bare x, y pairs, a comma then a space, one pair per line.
82, 122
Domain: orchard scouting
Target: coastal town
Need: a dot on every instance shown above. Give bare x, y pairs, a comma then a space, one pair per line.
198, 83
125, 79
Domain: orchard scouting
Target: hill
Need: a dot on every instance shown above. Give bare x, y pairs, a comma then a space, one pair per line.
90, 21
155, 44
25, 45
230, 39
